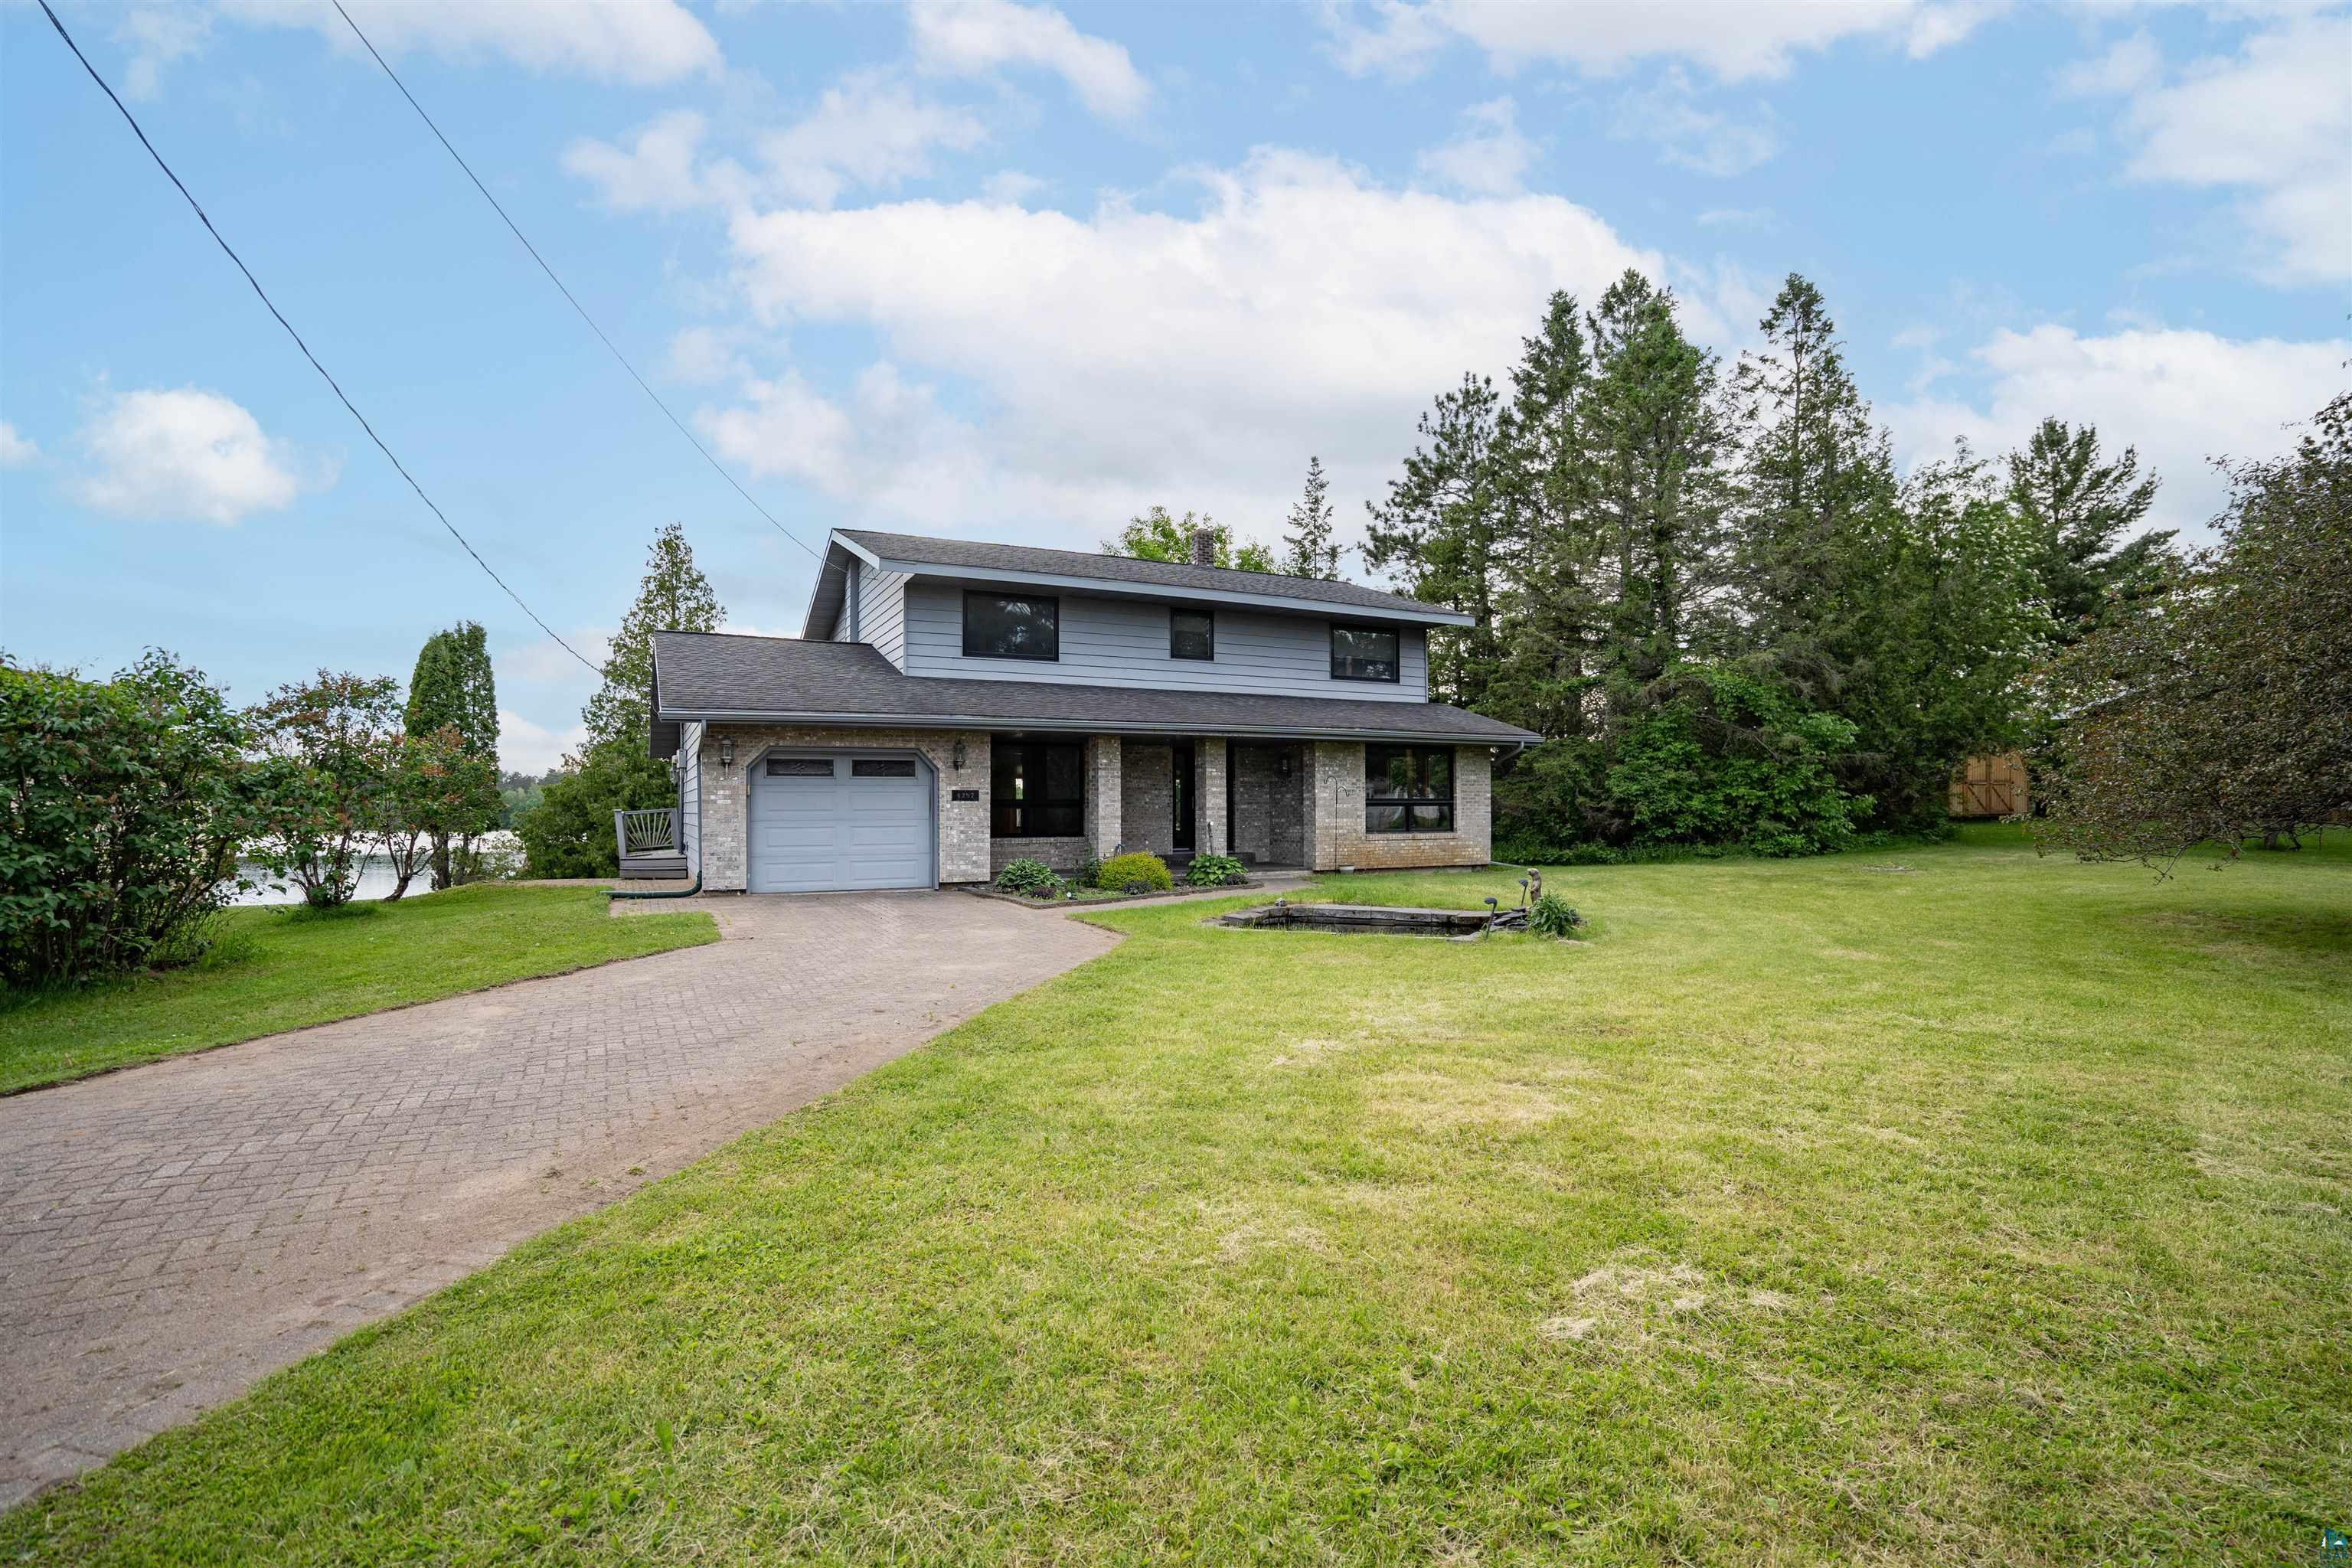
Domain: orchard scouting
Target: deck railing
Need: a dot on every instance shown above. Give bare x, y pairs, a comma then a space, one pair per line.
651, 832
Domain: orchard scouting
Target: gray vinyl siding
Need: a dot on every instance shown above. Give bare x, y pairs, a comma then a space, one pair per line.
1118, 642
689, 816
882, 612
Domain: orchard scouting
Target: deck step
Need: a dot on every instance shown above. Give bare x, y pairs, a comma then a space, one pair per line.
656, 866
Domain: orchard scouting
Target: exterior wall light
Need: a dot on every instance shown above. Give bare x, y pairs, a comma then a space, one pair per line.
958, 758
726, 754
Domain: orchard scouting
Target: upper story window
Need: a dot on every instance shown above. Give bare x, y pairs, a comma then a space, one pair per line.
1365, 653
1006, 626
1192, 634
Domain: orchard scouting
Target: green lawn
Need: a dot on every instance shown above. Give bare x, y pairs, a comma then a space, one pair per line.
280, 969
1937, 1205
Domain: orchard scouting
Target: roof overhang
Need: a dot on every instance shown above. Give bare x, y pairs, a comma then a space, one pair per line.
1093, 726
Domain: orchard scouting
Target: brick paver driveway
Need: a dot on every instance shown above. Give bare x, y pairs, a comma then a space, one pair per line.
171, 1233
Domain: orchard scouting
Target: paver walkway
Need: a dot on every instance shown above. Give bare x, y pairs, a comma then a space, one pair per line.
171, 1233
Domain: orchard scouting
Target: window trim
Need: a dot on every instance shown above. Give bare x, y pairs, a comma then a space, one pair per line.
998, 749
1208, 615
1052, 599
1396, 677
1410, 802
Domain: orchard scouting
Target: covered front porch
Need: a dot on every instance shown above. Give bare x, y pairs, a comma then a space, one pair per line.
1059, 800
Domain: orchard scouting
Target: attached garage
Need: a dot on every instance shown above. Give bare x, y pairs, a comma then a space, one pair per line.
837, 821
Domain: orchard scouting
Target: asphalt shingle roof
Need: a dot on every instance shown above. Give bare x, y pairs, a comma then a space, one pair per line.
715, 674
977, 556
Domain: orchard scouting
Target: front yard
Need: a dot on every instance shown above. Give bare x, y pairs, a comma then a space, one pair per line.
1937, 1205
280, 969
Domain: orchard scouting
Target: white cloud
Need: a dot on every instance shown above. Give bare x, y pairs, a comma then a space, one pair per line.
973, 37
15, 448
189, 454
1730, 39
2128, 66
1705, 141
641, 42
1011, 186
2181, 396
2273, 120
525, 747
1489, 157
704, 356
1044, 371
867, 130
156, 37
544, 662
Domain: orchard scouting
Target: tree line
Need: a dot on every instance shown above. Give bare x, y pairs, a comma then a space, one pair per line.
1711, 592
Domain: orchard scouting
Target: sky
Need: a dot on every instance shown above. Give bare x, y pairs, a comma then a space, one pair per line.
1018, 272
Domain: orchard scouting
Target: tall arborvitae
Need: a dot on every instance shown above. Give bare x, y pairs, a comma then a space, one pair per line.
1444, 532
1308, 548
1817, 495
2080, 508
454, 687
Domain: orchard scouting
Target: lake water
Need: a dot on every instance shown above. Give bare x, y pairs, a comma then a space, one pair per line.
375, 882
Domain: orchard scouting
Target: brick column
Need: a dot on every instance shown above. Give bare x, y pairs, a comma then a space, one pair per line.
1210, 832
1106, 759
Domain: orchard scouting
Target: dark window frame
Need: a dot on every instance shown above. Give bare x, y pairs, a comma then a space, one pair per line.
882, 768
1396, 665
1052, 599
777, 767
1208, 615
1381, 800
1044, 824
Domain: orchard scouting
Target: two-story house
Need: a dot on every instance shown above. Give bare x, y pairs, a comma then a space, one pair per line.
951, 706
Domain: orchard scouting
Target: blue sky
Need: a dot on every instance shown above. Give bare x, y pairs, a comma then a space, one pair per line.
1017, 272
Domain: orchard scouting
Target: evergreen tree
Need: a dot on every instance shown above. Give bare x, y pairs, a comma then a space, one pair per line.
675, 596
1157, 536
1540, 476
1310, 550
2080, 508
1818, 495
452, 691
1445, 533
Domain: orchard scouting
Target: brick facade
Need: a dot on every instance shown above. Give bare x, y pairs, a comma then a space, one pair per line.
1314, 819
1335, 810
727, 795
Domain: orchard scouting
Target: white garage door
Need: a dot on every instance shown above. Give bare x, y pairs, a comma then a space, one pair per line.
825, 824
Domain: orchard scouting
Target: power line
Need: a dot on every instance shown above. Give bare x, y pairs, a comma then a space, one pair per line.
567, 294
231, 253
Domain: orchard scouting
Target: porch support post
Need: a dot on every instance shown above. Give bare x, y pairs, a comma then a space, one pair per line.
1104, 764
1210, 832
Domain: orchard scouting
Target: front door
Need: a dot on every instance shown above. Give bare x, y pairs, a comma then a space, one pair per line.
1181, 795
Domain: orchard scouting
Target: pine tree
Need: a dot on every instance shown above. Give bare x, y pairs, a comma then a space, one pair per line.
2079, 509
1818, 493
1310, 550
1445, 531
675, 596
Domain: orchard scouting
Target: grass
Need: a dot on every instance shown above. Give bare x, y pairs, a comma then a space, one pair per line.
1942, 1206
277, 968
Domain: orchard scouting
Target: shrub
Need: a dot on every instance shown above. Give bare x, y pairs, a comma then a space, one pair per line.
1024, 875
1137, 872
1214, 871
122, 806
1553, 916
327, 775
570, 831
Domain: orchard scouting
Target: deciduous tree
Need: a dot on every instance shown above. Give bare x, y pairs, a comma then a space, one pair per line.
1157, 536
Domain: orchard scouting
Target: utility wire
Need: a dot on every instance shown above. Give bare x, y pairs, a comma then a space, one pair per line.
567, 293
298, 344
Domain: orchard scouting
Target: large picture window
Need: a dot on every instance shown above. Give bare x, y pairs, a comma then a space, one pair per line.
1007, 625
1037, 789
1407, 789
1365, 653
